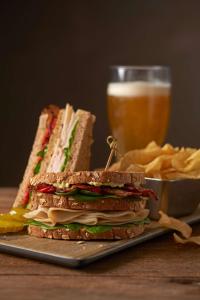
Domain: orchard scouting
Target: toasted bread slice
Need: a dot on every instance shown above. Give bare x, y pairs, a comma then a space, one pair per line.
118, 204
81, 147
79, 157
53, 141
44, 121
81, 123
116, 233
89, 177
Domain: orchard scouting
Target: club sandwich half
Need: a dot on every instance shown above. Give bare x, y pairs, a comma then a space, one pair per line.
88, 205
62, 144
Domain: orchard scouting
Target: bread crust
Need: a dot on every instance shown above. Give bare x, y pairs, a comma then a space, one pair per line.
89, 176
33, 158
50, 200
81, 146
106, 177
52, 142
117, 233
80, 149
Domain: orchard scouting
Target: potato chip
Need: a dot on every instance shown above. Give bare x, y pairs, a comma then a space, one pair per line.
194, 156
159, 163
115, 166
182, 227
174, 175
189, 150
178, 161
172, 223
138, 157
135, 168
152, 145
156, 175
165, 162
192, 239
168, 170
169, 149
192, 165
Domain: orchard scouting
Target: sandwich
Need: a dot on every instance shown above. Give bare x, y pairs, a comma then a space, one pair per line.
47, 122
62, 144
88, 205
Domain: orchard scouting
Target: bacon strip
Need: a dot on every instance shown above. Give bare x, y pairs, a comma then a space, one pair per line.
103, 190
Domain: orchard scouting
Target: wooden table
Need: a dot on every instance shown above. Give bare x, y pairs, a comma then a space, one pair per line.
158, 269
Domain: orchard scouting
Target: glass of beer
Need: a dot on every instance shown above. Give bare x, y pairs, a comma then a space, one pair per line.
138, 105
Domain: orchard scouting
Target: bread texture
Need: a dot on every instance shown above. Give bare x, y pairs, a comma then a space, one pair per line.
80, 157
89, 176
81, 147
33, 159
106, 177
50, 200
52, 142
116, 233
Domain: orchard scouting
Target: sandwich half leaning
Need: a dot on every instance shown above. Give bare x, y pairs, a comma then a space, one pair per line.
47, 122
62, 144
88, 205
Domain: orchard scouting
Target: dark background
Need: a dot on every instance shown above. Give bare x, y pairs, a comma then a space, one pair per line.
59, 51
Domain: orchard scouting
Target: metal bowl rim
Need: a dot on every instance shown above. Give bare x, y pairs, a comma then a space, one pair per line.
172, 180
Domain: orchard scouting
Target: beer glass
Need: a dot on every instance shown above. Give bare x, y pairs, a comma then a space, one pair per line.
138, 105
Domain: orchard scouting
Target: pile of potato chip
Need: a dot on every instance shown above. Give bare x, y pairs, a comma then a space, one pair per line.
164, 162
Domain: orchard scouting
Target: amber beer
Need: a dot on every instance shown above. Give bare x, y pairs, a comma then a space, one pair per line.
138, 113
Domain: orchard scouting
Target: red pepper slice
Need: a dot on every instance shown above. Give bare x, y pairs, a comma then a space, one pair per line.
46, 188
26, 198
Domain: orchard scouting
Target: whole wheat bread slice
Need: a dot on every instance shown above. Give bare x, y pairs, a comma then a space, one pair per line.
52, 142
89, 176
81, 146
109, 204
33, 158
116, 233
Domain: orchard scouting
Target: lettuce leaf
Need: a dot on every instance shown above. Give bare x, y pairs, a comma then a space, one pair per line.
42, 225
85, 192
65, 193
40, 154
67, 151
73, 226
81, 197
95, 229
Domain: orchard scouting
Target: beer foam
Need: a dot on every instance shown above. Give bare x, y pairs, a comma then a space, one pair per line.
138, 88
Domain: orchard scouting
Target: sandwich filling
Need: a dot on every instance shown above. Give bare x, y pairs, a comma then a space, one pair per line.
62, 150
53, 216
87, 192
59, 217
41, 154
93, 229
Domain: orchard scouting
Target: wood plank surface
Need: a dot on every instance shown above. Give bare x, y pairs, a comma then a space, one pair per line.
158, 269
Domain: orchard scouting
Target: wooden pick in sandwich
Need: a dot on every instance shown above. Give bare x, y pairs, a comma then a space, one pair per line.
112, 142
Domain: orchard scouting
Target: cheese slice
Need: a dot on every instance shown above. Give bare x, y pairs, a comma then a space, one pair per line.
52, 216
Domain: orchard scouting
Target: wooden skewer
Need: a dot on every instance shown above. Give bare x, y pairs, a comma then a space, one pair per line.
112, 142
